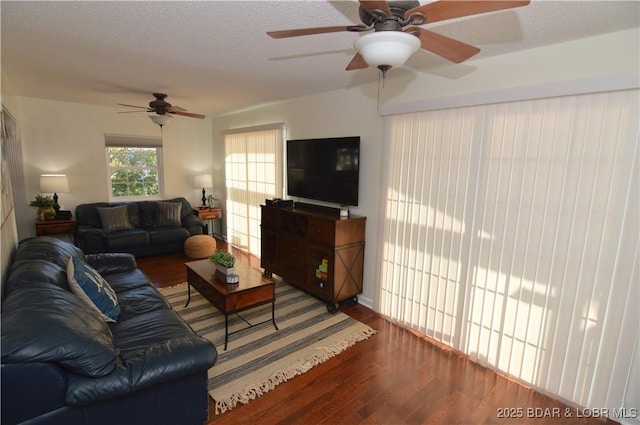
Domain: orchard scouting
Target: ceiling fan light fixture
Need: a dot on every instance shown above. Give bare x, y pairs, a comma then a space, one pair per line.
161, 120
387, 48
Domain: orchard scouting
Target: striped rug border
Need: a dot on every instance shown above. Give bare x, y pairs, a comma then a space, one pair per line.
260, 358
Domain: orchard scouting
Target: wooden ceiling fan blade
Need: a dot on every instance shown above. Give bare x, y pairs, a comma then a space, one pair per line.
188, 114
449, 9
357, 62
453, 50
129, 112
175, 108
311, 31
370, 5
133, 106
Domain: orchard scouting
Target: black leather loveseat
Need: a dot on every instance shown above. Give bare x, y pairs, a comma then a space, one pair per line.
62, 363
139, 228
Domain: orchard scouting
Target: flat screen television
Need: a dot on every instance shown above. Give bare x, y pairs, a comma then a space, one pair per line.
324, 169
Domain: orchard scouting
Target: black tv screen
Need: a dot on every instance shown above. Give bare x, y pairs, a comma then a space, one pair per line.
324, 169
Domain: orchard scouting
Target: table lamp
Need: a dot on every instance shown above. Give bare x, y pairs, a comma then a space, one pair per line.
54, 183
203, 181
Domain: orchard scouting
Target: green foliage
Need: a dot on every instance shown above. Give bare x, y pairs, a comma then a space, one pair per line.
42, 201
134, 171
223, 258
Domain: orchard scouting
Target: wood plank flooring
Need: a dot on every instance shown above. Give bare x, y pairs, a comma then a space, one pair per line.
394, 377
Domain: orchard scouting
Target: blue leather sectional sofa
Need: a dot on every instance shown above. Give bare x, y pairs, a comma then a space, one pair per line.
63, 363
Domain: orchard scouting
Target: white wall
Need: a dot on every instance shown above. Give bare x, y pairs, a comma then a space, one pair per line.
354, 111
68, 138
610, 54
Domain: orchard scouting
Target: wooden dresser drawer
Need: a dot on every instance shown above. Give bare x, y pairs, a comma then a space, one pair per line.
292, 250
321, 231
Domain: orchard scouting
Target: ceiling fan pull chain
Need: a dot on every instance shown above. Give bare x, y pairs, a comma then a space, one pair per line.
381, 78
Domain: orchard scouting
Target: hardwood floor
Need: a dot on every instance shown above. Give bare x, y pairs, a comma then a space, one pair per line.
394, 377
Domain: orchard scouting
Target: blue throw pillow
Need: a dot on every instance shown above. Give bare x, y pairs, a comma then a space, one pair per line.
87, 284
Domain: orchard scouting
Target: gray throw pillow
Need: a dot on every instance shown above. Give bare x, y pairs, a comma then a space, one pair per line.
168, 214
114, 218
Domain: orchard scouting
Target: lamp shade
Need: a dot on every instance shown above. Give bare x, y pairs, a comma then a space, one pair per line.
203, 180
54, 183
161, 120
387, 48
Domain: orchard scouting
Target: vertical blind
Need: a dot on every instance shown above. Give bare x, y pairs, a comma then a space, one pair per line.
253, 169
511, 234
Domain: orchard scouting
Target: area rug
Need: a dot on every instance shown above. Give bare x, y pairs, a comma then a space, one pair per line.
259, 358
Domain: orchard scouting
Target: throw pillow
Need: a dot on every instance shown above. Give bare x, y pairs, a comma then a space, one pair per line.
114, 218
168, 214
87, 284
147, 213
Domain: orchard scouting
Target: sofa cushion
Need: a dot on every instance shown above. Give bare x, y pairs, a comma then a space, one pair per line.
167, 235
140, 301
87, 284
126, 239
115, 218
47, 248
168, 214
36, 272
57, 327
124, 281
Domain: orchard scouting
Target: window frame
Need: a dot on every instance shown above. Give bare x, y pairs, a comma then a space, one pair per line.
158, 168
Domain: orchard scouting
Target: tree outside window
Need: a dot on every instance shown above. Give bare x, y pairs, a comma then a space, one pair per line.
134, 171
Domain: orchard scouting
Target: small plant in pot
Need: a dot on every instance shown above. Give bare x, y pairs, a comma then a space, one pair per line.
45, 207
224, 261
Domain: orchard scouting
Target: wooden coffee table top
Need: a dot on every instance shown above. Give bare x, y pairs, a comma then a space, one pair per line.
249, 277
253, 289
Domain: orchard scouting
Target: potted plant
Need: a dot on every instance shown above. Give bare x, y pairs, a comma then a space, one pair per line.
224, 261
45, 207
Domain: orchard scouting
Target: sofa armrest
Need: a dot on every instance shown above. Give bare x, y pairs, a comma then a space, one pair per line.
30, 390
145, 368
193, 224
90, 238
86, 231
111, 262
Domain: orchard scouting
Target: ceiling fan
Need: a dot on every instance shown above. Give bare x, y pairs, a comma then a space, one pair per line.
161, 108
395, 35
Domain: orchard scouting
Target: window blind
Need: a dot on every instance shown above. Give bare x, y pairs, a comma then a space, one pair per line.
511, 234
253, 169
124, 141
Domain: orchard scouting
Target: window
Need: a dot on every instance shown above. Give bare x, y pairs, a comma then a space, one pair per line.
134, 167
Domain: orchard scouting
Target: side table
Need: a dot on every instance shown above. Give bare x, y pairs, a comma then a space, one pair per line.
210, 214
55, 227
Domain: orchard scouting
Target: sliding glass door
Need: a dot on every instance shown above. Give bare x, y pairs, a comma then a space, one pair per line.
253, 168
511, 234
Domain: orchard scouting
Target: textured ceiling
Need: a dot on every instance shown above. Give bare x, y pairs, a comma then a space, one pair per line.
212, 57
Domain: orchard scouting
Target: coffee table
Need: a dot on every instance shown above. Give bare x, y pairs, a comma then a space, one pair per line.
254, 289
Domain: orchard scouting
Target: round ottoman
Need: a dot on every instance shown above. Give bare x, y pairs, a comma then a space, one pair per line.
199, 246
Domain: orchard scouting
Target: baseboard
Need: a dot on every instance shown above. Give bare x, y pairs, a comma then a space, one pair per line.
367, 302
